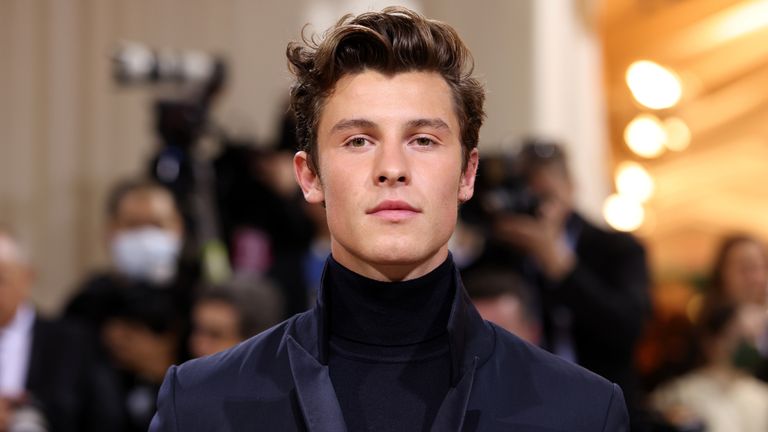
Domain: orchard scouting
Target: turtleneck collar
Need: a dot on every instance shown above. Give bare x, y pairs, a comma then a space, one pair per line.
380, 313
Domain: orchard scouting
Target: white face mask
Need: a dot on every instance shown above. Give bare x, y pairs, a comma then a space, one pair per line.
147, 253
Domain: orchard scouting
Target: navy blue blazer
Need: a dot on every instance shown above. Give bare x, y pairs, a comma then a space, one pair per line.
279, 381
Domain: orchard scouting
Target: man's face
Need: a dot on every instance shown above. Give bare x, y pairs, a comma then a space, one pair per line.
508, 312
147, 208
390, 172
215, 327
15, 279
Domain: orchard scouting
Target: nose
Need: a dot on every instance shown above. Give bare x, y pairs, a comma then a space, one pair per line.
391, 166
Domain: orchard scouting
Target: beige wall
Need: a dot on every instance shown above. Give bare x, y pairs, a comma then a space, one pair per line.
67, 133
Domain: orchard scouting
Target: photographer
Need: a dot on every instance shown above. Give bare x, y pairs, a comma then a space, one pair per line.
592, 284
50, 379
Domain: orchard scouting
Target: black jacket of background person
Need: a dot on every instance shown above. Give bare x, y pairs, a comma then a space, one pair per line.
279, 381
74, 391
608, 296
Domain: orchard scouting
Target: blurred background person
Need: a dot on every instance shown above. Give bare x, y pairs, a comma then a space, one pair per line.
50, 379
740, 270
264, 221
502, 298
144, 240
592, 284
717, 396
317, 252
142, 334
229, 314
740, 276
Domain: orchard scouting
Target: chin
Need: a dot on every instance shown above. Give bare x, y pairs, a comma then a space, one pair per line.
402, 253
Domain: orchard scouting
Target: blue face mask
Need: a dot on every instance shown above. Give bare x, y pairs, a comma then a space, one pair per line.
147, 253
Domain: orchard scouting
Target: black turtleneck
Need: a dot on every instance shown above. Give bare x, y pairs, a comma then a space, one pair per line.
388, 359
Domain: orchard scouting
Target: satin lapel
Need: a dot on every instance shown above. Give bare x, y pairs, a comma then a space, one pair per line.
317, 397
450, 416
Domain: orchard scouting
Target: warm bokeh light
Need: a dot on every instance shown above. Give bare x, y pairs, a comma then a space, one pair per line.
747, 17
634, 182
653, 85
678, 134
623, 213
645, 135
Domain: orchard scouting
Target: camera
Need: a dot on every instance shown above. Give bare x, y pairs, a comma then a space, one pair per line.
500, 189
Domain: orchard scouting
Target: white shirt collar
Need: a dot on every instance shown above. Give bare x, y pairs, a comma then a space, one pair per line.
15, 351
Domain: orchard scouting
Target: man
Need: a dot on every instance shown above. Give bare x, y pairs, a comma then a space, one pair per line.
144, 236
136, 310
228, 314
592, 283
501, 297
388, 118
142, 336
48, 376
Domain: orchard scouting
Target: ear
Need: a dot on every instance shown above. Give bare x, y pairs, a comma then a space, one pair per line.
307, 178
467, 181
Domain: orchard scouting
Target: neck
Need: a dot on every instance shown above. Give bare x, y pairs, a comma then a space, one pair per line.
388, 270
377, 312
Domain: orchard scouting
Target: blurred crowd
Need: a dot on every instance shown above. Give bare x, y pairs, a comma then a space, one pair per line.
207, 252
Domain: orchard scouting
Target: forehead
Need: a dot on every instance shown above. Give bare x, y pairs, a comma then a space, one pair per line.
146, 202
745, 250
387, 100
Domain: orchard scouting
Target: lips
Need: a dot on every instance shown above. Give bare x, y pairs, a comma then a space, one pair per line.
393, 210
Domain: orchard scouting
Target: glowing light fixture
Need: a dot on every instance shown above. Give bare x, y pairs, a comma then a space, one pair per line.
653, 85
622, 213
634, 182
747, 17
645, 135
678, 134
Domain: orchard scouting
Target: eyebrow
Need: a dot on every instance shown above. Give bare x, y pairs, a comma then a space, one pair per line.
352, 124
434, 123
346, 124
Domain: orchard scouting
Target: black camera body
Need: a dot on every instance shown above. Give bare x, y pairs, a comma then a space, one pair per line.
500, 189
513, 196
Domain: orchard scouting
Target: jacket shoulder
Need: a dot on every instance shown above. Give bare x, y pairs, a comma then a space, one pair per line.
526, 385
258, 364
248, 384
543, 365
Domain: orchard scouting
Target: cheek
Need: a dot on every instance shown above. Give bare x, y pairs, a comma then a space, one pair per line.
342, 195
448, 194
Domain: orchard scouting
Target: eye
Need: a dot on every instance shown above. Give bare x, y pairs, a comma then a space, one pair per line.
356, 142
423, 141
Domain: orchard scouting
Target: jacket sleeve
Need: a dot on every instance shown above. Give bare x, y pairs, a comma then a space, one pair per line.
614, 291
165, 417
616, 418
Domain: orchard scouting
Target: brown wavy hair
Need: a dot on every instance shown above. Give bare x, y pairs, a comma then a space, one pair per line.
392, 41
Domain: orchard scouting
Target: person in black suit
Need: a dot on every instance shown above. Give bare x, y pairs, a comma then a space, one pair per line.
592, 283
49, 377
388, 118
